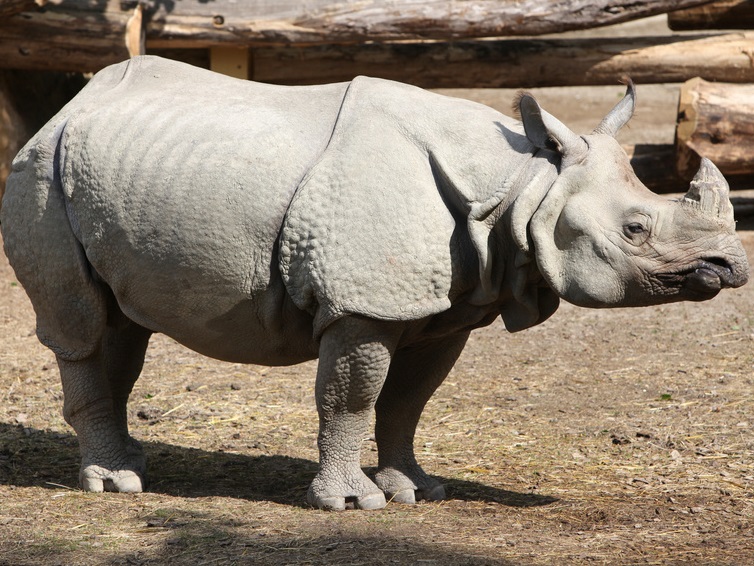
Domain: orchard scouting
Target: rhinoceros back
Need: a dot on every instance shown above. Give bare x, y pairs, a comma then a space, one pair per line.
176, 181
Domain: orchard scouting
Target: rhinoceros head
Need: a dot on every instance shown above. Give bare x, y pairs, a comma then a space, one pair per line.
602, 239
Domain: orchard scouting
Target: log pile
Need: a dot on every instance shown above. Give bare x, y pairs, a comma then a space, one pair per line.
430, 43
80, 35
716, 119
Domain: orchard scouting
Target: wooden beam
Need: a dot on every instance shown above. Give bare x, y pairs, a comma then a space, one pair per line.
715, 120
725, 14
509, 63
330, 21
515, 63
70, 34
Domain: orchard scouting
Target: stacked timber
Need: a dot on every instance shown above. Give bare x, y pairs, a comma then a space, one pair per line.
429, 43
716, 119
80, 35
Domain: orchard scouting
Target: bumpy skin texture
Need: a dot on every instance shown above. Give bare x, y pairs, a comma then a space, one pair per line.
370, 224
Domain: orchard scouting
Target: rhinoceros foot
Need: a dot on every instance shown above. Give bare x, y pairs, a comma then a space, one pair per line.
409, 486
98, 479
338, 494
124, 473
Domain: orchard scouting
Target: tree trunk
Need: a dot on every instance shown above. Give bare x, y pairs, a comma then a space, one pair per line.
515, 63
725, 14
715, 120
85, 36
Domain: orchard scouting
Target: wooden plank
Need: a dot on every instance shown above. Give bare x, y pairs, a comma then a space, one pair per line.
136, 32
725, 14
715, 120
231, 61
515, 63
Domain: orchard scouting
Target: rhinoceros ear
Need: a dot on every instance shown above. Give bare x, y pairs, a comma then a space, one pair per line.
547, 132
620, 114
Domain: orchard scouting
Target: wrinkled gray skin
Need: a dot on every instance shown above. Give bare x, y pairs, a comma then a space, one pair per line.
370, 224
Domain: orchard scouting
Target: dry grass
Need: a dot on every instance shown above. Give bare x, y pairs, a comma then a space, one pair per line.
601, 436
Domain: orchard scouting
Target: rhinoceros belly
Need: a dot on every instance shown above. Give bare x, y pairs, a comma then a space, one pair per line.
177, 183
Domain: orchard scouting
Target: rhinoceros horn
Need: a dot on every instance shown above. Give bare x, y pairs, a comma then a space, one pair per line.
709, 190
620, 114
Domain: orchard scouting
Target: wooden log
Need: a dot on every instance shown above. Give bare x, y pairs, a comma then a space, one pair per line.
85, 35
515, 63
653, 164
10, 8
57, 40
725, 14
330, 21
715, 120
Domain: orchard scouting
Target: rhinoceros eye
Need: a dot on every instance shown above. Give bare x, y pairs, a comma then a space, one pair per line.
634, 229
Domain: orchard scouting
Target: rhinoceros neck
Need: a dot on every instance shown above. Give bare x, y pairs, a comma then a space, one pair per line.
492, 175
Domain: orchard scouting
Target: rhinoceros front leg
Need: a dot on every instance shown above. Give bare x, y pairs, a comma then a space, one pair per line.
96, 391
355, 355
415, 374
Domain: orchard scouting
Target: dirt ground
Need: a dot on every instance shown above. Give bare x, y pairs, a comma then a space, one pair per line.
605, 436
601, 436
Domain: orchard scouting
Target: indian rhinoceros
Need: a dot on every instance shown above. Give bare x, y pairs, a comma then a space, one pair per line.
369, 224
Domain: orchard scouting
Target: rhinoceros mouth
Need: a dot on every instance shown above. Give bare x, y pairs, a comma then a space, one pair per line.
709, 276
704, 278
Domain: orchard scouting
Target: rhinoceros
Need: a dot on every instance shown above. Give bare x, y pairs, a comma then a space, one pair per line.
369, 224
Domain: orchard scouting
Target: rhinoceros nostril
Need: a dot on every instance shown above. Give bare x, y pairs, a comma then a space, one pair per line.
718, 261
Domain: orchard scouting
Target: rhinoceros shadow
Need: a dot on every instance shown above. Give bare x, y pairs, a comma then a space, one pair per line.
42, 458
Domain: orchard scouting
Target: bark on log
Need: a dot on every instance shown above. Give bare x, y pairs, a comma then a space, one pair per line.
715, 120
725, 14
85, 35
514, 63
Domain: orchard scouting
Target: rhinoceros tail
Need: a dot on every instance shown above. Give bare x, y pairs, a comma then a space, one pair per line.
47, 258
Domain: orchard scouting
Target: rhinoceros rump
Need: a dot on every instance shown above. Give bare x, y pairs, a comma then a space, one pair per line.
370, 224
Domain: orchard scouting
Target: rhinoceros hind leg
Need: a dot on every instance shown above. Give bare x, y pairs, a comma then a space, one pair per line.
414, 375
96, 391
355, 354
123, 348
